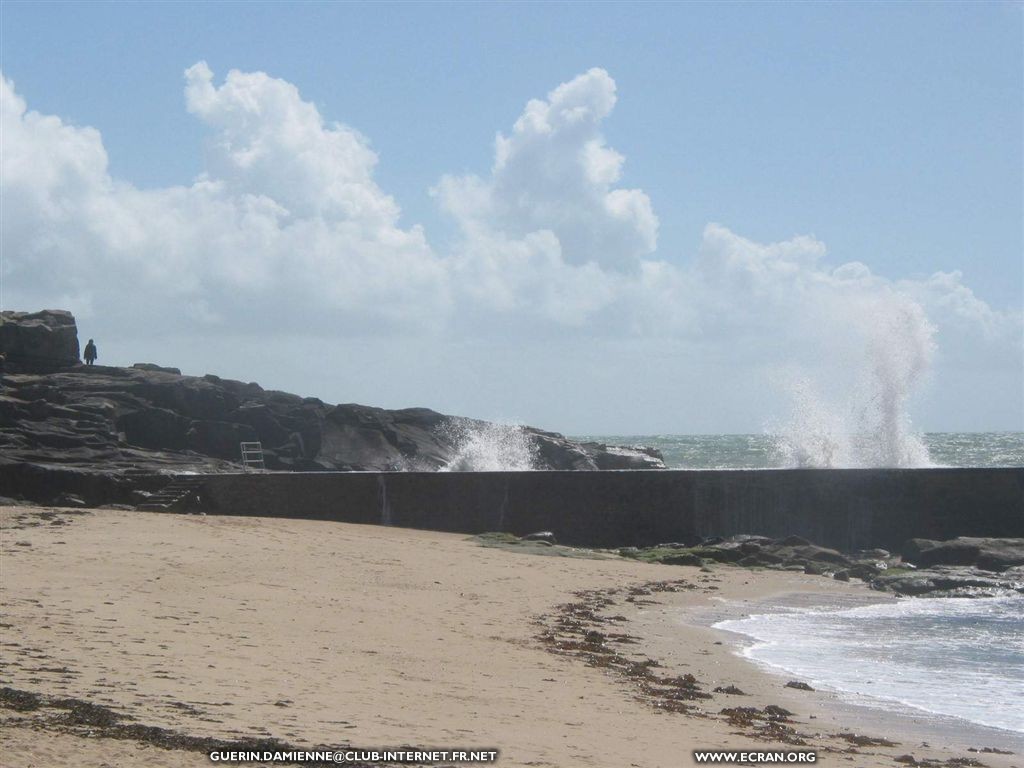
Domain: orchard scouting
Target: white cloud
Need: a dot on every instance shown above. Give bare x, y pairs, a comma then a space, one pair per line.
287, 230
788, 288
554, 174
271, 143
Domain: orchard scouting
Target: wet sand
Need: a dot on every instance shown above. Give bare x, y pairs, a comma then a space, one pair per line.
316, 633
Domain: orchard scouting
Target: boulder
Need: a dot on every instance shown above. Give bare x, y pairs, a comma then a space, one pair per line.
1000, 554
948, 581
986, 554
38, 342
760, 560
864, 570
760, 551
803, 553
69, 500
912, 548
872, 554
547, 536
552, 450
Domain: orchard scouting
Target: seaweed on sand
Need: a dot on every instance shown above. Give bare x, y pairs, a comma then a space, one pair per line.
84, 718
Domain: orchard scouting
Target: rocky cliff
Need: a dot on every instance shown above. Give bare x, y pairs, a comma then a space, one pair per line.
96, 431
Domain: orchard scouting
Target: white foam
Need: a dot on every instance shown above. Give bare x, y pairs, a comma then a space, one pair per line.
864, 421
488, 447
956, 657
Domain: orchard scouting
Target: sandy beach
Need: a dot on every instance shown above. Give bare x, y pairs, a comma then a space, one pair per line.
318, 633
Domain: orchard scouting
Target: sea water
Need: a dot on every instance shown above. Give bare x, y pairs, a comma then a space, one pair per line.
944, 449
955, 657
958, 657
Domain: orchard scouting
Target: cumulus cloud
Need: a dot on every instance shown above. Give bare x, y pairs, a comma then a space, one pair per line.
270, 143
285, 226
789, 288
287, 229
547, 233
554, 175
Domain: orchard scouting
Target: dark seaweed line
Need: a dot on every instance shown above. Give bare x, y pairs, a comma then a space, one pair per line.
575, 630
83, 718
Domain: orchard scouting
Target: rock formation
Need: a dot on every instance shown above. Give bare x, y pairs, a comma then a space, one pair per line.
38, 342
963, 567
985, 554
96, 431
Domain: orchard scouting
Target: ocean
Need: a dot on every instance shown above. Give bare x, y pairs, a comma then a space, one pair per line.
958, 657
944, 449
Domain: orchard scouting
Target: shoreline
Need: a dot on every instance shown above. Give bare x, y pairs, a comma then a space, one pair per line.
327, 633
926, 735
872, 712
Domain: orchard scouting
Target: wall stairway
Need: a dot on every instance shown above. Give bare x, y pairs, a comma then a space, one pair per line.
178, 495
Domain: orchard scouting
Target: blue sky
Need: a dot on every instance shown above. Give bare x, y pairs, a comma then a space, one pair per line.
891, 132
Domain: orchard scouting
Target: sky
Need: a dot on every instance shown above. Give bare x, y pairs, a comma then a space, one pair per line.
590, 217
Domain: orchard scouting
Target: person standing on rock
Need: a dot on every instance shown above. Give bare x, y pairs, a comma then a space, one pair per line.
90, 353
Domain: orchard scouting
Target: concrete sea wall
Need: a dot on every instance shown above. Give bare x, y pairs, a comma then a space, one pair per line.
847, 509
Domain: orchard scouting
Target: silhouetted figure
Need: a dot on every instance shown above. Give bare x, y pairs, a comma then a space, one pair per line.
3, 360
90, 353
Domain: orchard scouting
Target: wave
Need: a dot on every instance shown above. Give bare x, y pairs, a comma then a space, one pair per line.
488, 446
957, 657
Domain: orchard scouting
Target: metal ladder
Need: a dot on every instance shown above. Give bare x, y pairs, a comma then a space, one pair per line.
252, 455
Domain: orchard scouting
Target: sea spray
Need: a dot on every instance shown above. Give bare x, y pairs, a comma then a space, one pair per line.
488, 447
814, 435
866, 425
900, 351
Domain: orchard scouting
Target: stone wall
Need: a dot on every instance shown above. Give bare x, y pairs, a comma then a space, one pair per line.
845, 509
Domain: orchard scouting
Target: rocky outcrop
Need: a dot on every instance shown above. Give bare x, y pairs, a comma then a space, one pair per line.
553, 451
155, 367
623, 457
38, 341
949, 581
65, 421
961, 567
981, 567
985, 554
789, 553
